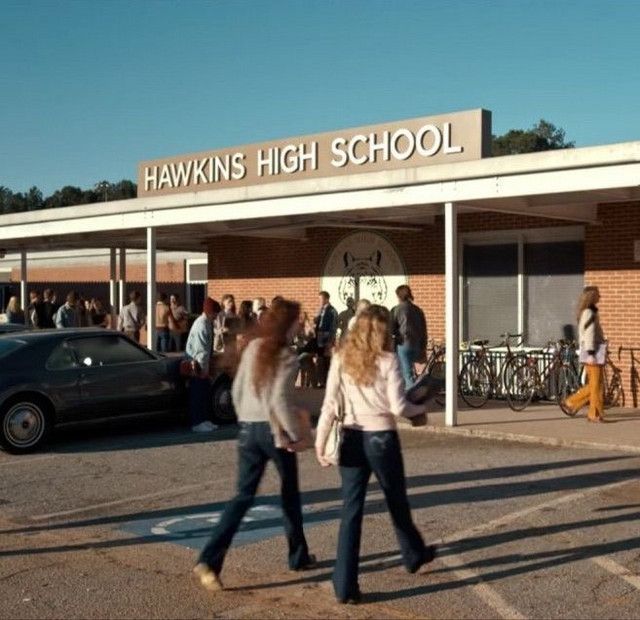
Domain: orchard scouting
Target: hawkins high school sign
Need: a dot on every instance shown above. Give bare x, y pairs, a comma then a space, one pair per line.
461, 136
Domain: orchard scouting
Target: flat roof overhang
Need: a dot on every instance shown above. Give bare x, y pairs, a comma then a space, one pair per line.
566, 185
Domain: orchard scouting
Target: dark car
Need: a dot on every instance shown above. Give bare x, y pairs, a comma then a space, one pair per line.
51, 377
10, 328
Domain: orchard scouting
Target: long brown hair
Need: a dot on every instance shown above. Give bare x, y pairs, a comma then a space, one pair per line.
588, 297
364, 343
274, 328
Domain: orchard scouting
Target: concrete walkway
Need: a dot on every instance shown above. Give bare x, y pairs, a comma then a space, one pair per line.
539, 423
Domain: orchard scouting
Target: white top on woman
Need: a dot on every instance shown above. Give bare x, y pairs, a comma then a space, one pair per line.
367, 407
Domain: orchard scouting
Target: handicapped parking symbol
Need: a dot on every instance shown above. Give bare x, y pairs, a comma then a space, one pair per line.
261, 522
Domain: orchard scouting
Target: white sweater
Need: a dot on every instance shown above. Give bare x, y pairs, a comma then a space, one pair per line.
367, 407
276, 402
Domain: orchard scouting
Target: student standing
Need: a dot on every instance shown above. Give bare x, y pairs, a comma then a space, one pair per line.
132, 317
199, 350
163, 311
409, 333
326, 325
178, 320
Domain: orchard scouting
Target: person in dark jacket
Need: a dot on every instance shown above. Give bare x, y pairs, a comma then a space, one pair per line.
326, 324
50, 308
36, 310
409, 327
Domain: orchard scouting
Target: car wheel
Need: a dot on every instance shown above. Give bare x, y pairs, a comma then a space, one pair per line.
222, 403
25, 425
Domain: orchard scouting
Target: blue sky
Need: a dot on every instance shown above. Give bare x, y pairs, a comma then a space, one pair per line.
93, 87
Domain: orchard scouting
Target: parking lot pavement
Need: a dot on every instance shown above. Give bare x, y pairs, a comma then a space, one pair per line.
107, 524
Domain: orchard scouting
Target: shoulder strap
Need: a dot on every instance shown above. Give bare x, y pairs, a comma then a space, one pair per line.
342, 400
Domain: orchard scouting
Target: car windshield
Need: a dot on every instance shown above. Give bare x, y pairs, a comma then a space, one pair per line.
8, 346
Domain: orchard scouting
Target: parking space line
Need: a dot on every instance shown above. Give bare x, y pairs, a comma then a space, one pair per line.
119, 502
618, 570
488, 594
519, 514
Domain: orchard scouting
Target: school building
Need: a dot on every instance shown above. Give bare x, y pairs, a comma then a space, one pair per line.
488, 245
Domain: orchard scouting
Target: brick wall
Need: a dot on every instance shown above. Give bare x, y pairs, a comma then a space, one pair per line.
609, 265
99, 272
293, 268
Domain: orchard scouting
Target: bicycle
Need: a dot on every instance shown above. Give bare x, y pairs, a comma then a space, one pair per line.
612, 384
612, 388
434, 367
556, 381
478, 379
634, 376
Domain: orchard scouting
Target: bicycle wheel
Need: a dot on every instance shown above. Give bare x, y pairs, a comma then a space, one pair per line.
567, 382
474, 383
507, 376
438, 372
523, 386
613, 391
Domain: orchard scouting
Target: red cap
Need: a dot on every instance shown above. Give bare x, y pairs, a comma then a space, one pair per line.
211, 306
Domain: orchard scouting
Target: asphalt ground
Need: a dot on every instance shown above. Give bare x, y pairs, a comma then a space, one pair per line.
107, 523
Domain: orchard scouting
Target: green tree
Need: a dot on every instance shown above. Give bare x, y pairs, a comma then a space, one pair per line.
5, 199
34, 199
65, 197
123, 190
544, 136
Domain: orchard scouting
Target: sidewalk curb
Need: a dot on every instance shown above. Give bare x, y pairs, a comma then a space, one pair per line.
515, 437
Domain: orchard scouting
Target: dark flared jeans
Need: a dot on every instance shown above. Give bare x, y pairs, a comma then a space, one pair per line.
255, 450
364, 452
199, 399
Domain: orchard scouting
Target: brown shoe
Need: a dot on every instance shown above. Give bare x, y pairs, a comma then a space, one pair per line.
207, 577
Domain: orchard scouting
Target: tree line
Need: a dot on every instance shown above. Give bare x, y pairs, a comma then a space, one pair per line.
31, 200
543, 136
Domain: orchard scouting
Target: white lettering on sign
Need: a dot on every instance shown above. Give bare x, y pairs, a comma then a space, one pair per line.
288, 159
195, 172
460, 136
399, 145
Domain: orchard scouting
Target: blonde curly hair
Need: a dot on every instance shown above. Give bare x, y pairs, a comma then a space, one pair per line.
369, 337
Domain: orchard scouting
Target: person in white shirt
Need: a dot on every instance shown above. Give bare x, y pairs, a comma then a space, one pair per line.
367, 373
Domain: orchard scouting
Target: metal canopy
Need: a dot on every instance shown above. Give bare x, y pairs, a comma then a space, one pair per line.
566, 185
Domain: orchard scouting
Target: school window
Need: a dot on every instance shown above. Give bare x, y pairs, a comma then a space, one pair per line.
526, 282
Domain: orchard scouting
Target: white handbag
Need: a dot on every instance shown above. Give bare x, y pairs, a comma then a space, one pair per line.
333, 444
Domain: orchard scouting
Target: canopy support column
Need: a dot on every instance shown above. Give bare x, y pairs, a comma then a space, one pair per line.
23, 283
452, 311
122, 279
151, 288
113, 288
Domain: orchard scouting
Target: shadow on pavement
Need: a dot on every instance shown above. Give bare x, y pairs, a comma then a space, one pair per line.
152, 431
418, 500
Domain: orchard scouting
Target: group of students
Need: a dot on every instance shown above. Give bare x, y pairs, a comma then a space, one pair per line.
172, 321
44, 312
315, 340
365, 374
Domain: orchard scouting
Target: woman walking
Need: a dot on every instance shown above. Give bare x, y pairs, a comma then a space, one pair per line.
368, 374
270, 429
592, 342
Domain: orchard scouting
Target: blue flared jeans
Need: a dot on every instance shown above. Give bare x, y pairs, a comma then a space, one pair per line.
255, 449
379, 452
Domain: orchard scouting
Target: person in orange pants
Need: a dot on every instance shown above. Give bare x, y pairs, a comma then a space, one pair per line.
591, 393
592, 354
